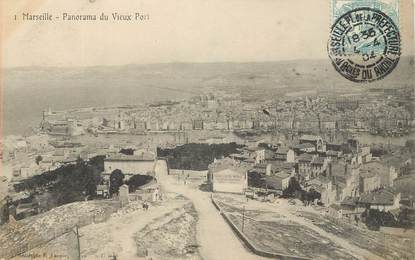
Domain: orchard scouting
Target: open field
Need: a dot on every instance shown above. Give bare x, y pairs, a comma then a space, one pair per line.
276, 233
292, 229
385, 245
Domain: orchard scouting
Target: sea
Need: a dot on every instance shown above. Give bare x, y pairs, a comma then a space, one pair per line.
25, 98
29, 91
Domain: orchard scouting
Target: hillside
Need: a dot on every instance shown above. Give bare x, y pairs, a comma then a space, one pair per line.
29, 90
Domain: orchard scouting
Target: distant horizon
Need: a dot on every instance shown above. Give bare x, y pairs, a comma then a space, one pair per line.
182, 62
163, 63
74, 87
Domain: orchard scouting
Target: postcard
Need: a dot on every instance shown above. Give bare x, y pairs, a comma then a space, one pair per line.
207, 129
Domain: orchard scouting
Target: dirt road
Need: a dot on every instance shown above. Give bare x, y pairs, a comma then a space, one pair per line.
130, 226
116, 237
215, 238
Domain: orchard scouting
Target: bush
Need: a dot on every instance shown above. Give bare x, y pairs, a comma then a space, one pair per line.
196, 156
75, 183
293, 188
127, 151
138, 180
375, 218
68, 183
256, 180
38, 159
116, 181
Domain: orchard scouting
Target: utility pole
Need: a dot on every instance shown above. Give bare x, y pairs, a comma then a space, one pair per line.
77, 240
243, 218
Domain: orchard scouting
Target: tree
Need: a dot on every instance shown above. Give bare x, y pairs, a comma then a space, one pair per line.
404, 219
38, 159
292, 189
196, 156
256, 179
116, 180
98, 162
138, 180
70, 184
375, 218
66, 184
92, 179
127, 151
378, 150
410, 144
313, 195
75, 182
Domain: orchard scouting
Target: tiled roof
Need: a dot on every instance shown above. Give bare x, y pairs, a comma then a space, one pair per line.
279, 165
350, 201
282, 150
340, 180
254, 149
375, 167
309, 137
368, 174
319, 160
282, 175
332, 153
249, 160
305, 158
270, 154
381, 197
323, 179
341, 184
335, 206
261, 165
335, 143
305, 145
338, 168
228, 164
273, 182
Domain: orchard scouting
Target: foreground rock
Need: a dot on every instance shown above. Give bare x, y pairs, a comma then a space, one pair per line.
172, 236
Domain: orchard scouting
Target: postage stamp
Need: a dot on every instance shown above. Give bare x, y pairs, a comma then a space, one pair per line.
364, 43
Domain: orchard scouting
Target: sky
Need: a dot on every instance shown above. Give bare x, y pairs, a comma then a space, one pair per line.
178, 31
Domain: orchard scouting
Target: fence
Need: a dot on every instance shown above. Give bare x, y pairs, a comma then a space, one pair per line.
54, 233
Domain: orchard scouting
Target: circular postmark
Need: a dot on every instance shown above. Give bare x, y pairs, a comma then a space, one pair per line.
364, 45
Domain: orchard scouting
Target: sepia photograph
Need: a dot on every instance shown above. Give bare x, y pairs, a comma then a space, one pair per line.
207, 129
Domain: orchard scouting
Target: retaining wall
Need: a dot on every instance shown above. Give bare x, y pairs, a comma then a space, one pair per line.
249, 243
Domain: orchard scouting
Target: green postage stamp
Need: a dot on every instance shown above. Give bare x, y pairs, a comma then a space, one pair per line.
364, 43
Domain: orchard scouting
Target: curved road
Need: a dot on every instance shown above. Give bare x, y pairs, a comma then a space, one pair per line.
216, 239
